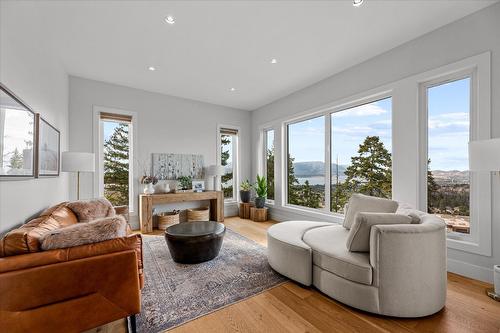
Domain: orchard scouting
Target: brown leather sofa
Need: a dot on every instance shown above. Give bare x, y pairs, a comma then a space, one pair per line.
66, 290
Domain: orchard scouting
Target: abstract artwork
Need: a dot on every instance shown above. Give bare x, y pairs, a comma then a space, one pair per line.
173, 166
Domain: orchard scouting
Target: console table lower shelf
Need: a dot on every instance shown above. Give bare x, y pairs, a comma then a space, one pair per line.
147, 202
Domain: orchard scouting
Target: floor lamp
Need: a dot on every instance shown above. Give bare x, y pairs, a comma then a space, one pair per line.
484, 155
77, 162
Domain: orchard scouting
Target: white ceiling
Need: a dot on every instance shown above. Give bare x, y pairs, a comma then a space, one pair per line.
216, 45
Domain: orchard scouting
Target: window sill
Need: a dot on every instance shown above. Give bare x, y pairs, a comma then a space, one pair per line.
318, 214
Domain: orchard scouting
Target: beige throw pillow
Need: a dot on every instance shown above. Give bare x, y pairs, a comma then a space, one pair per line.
85, 233
364, 203
358, 239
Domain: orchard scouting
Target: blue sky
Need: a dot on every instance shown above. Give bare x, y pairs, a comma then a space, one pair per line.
449, 106
109, 127
350, 128
448, 129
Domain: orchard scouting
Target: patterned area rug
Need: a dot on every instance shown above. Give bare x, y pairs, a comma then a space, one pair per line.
176, 293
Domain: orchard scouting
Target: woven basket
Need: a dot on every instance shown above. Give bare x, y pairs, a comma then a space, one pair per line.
198, 214
167, 219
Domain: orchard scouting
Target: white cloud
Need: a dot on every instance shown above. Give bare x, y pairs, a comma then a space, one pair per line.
361, 111
447, 120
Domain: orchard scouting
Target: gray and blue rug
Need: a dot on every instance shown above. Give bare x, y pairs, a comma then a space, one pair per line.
177, 293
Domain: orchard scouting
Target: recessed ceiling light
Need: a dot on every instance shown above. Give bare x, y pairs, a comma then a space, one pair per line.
357, 3
151, 68
232, 89
274, 61
170, 19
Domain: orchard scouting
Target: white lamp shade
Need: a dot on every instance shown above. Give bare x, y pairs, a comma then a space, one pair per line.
216, 170
484, 155
76, 161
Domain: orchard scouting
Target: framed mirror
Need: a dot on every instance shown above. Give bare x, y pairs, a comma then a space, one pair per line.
17, 137
48, 148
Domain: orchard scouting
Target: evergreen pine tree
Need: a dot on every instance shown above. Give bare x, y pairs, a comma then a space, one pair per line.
116, 166
270, 173
228, 177
293, 182
16, 160
369, 173
433, 196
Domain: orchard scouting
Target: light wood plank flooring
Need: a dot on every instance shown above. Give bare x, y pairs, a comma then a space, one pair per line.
292, 308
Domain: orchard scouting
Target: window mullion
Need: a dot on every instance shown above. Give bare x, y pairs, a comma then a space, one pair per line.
328, 162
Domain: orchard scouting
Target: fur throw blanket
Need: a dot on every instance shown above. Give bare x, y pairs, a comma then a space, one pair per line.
85, 233
89, 210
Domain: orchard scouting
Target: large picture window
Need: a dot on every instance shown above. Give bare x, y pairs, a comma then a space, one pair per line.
306, 163
448, 130
361, 152
228, 140
269, 162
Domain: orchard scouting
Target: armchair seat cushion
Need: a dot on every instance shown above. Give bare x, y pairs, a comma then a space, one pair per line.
287, 253
331, 254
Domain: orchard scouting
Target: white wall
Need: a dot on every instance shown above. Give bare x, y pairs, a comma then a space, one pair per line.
29, 69
165, 124
467, 37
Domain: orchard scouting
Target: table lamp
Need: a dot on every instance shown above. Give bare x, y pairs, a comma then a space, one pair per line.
216, 171
484, 155
77, 162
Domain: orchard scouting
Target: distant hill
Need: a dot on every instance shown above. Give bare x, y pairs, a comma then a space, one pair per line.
451, 177
313, 168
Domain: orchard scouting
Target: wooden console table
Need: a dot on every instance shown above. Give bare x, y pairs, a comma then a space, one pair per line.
147, 201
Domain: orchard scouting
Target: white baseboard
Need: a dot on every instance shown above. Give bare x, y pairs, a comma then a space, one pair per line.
471, 271
231, 209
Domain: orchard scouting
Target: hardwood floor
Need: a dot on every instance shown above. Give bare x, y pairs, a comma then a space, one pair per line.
292, 308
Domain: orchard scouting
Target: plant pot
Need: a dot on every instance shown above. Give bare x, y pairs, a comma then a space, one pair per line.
245, 196
260, 202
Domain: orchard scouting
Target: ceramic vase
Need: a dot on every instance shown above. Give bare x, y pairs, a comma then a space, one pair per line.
149, 189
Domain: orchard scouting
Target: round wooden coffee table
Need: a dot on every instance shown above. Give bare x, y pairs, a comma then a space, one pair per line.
195, 242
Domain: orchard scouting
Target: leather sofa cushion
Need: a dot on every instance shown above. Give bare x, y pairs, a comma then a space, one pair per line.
331, 254
364, 203
85, 233
358, 239
26, 239
89, 210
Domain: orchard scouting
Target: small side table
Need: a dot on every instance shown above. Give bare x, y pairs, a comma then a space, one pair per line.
245, 209
258, 214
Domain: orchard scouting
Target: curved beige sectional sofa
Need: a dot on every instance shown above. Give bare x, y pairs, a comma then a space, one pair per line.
403, 274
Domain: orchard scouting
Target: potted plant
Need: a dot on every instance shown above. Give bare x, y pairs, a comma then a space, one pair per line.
245, 191
261, 190
185, 182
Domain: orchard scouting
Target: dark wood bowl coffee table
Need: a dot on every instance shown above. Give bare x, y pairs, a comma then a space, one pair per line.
195, 242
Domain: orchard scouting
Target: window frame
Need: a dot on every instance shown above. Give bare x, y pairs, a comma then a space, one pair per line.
477, 68
236, 159
327, 113
264, 159
99, 151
